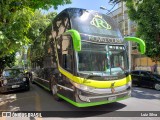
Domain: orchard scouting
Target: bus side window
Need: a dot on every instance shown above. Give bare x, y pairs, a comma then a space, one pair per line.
67, 62
62, 24
59, 50
67, 53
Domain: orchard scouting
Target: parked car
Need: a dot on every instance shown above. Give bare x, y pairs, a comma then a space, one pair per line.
13, 79
145, 79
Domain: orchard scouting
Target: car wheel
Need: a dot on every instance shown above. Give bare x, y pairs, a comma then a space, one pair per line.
54, 89
157, 86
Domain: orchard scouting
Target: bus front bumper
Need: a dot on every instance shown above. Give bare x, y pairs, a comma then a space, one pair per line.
83, 99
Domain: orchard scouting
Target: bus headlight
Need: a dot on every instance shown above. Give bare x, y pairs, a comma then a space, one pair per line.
4, 82
24, 79
83, 87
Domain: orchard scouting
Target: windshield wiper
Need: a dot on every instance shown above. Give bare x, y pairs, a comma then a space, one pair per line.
92, 75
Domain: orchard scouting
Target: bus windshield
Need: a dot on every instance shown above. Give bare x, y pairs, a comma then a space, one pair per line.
102, 59
93, 23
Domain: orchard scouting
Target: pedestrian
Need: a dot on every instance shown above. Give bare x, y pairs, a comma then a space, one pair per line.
155, 67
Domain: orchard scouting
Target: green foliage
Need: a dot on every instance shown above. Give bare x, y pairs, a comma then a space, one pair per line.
7, 60
13, 31
15, 22
46, 4
115, 1
16, 26
15, 5
39, 24
146, 14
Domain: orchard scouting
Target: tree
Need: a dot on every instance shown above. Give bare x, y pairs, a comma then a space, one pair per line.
116, 1
7, 60
46, 4
15, 22
147, 16
39, 24
13, 29
35, 50
15, 18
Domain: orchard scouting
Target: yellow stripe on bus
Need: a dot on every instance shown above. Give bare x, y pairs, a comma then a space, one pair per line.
95, 83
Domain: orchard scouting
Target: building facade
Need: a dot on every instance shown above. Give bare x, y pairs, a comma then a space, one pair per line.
128, 28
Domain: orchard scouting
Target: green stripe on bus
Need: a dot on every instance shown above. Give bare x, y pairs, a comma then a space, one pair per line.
76, 39
42, 85
90, 104
138, 40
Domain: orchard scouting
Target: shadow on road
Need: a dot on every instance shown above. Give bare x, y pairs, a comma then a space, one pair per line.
145, 93
38, 99
16, 100
101, 110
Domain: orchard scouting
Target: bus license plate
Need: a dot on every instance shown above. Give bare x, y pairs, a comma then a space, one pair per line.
15, 86
112, 98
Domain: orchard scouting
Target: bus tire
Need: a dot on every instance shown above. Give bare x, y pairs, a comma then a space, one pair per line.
54, 89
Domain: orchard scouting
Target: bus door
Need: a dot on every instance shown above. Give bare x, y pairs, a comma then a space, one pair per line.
66, 62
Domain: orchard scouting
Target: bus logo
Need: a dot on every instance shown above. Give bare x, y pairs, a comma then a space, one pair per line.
99, 22
112, 87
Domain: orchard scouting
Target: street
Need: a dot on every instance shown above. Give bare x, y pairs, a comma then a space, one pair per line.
39, 99
87, 53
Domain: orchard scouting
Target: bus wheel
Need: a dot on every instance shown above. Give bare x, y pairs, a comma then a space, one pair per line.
54, 90
157, 86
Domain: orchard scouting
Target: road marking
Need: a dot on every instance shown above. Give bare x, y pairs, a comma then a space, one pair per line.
37, 104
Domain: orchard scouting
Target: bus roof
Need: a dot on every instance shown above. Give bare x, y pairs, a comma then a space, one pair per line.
91, 22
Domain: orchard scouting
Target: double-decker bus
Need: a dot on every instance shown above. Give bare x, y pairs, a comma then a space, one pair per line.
86, 61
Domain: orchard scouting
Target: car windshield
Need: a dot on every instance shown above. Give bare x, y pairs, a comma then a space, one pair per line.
12, 72
102, 59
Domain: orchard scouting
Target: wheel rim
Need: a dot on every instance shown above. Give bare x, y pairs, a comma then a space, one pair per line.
54, 89
157, 86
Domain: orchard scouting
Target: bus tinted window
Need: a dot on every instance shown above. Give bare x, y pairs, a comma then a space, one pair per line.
97, 24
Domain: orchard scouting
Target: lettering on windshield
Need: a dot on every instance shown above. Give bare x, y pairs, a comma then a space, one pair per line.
105, 40
99, 22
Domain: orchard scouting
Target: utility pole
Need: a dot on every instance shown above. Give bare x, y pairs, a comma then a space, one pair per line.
123, 20
129, 46
124, 33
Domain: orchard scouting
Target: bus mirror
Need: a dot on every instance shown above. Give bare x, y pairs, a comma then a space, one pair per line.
138, 40
76, 39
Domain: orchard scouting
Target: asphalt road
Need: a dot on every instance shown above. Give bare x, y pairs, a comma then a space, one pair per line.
39, 99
